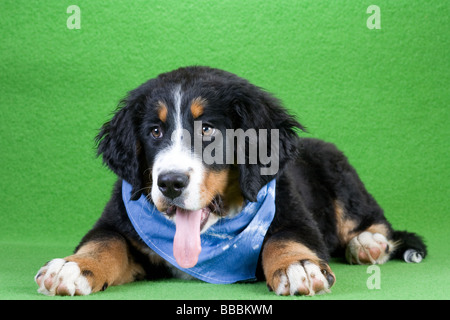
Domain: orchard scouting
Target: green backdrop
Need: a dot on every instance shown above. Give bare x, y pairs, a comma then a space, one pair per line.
382, 95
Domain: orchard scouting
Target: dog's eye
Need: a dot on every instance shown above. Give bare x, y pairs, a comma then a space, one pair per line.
156, 132
207, 131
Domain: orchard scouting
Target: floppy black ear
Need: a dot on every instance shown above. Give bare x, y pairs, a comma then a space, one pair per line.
118, 144
257, 109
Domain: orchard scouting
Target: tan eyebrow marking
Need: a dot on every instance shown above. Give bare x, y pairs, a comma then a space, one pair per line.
197, 107
162, 111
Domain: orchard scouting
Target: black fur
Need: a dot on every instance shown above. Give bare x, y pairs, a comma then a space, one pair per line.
313, 174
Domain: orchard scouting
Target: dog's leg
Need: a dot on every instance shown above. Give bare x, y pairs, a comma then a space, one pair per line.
95, 265
377, 243
291, 268
372, 245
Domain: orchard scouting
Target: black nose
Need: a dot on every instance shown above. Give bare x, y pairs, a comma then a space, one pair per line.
172, 184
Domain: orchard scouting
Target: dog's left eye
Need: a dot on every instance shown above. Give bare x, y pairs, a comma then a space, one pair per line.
207, 131
156, 132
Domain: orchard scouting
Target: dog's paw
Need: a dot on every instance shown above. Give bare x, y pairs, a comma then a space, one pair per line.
61, 277
368, 248
302, 278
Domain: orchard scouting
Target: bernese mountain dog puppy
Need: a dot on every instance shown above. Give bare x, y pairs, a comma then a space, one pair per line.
215, 183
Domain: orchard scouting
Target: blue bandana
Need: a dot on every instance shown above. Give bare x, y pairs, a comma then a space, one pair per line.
230, 247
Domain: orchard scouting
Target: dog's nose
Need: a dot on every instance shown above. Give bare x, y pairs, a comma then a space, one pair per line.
172, 184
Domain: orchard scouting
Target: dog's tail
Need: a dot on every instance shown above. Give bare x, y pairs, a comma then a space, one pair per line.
410, 246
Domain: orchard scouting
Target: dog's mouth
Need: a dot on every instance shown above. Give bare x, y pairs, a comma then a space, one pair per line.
189, 224
173, 211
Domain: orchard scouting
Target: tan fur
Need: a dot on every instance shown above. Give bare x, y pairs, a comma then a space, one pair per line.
224, 183
345, 226
378, 228
278, 255
162, 111
197, 107
106, 263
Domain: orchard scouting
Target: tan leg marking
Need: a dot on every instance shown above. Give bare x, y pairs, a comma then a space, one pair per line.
106, 263
291, 268
345, 226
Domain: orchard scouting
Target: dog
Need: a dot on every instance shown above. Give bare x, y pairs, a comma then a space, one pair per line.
177, 210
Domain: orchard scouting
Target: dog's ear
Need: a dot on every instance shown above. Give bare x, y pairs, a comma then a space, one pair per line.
257, 109
118, 144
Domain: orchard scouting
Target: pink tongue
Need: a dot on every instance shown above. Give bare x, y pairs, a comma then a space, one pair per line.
186, 244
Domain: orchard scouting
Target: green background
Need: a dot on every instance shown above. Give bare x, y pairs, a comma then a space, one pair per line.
381, 95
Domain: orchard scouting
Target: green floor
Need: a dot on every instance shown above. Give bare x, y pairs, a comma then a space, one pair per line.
397, 280
382, 95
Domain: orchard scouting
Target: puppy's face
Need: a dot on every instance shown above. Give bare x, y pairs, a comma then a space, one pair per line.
177, 126
170, 141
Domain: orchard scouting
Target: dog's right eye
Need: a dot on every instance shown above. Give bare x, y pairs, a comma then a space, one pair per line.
156, 132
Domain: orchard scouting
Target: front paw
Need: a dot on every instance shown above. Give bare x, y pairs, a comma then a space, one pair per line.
302, 278
61, 277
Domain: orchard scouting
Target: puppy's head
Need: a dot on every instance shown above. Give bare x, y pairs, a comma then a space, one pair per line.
196, 142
